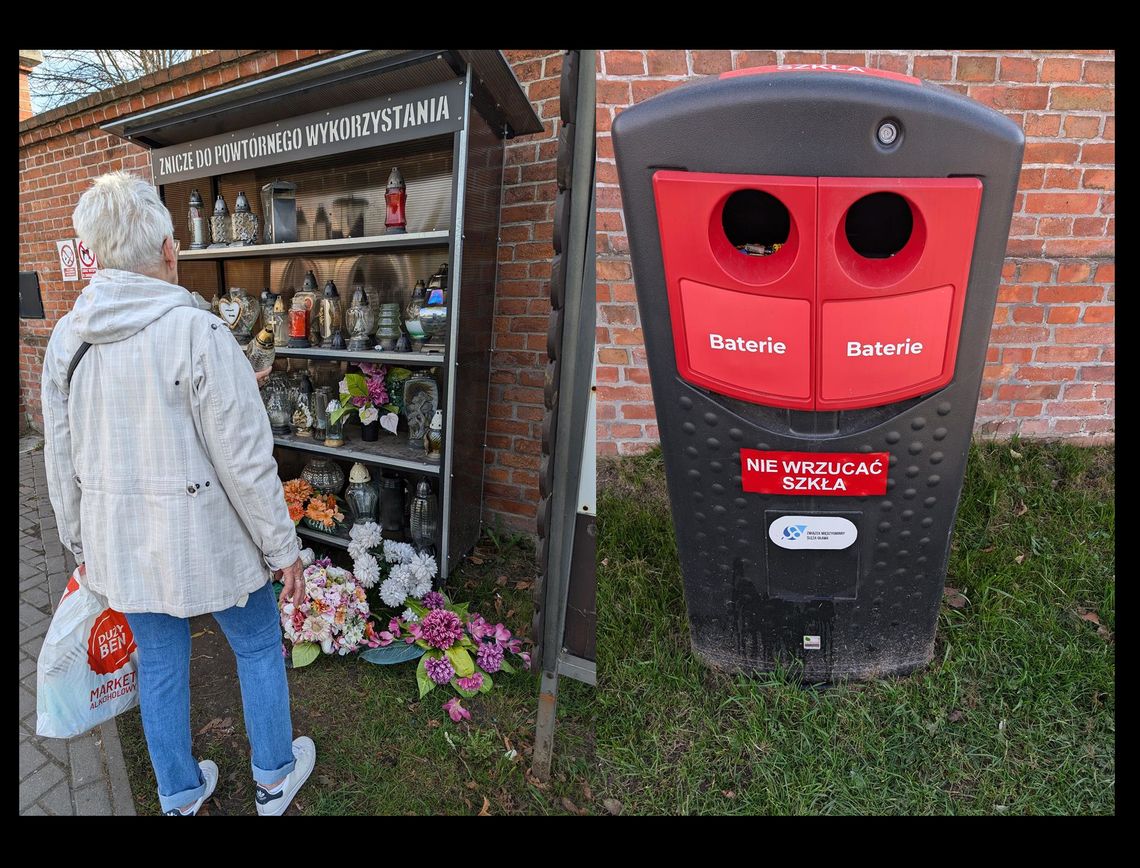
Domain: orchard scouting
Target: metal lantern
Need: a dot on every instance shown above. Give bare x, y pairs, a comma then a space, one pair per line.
267, 300
360, 321
395, 197
361, 496
388, 326
424, 518
279, 207
433, 315
220, 223
299, 323
331, 318
196, 220
245, 223
412, 315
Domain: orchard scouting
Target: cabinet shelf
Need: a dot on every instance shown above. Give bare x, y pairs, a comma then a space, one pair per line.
321, 536
389, 451
439, 238
427, 360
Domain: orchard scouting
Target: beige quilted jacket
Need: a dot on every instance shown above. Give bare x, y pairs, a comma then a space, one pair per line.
159, 457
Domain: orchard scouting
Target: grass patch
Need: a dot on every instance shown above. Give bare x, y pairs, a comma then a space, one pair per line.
1016, 714
379, 749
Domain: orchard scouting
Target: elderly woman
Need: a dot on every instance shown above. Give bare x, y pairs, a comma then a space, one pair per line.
161, 473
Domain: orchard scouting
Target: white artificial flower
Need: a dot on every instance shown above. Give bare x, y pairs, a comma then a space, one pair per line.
343, 386
356, 551
366, 569
390, 422
319, 627
409, 615
368, 415
393, 591
327, 645
367, 533
307, 557
398, 552
402, 574
336, 574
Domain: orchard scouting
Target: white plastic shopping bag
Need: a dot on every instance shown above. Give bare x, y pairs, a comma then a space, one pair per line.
88, 666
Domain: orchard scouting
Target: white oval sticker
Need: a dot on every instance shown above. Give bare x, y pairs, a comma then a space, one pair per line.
812, 532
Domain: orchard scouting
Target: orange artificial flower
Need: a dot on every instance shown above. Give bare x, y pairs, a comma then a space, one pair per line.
298, 490
295, 511
323, 510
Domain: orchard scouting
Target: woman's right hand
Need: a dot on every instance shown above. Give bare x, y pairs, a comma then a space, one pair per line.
262, 377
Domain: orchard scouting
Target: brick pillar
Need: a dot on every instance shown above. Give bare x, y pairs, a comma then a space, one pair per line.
28, 61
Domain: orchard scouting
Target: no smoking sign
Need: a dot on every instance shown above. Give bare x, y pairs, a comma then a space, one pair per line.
88, 264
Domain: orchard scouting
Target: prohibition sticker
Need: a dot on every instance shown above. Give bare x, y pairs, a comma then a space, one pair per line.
834, 474
88, 264
67, 259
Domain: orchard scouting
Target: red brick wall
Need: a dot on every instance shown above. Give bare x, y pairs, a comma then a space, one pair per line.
522, 299
62, 150
1051, 359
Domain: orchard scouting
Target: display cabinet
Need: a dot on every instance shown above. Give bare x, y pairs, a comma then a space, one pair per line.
335, 130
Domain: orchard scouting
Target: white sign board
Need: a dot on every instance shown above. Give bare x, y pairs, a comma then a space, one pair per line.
68, 260
88, 264
812, 532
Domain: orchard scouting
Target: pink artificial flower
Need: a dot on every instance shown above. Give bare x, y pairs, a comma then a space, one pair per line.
394, 626
455, 710
525, 658
413, 632
472, 682
386, 638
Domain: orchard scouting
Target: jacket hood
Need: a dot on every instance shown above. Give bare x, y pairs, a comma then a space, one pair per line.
117, 304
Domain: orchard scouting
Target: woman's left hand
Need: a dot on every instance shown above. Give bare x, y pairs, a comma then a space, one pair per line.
262, 377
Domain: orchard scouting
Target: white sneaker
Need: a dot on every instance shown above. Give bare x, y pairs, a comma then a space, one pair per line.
210, 776
273, 804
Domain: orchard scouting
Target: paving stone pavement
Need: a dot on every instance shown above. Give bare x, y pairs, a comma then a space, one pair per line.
84, 775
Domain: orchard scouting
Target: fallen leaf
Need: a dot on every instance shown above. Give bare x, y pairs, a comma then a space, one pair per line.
613, 806
1019, 559
522, 586
486, 810
476, 560
729, 794
1021, 509
605, 562
570, 806
955, 715
501, 581
325, 780
1016, 456
1091, 617
988, 549
587, 793
955, 599
471, 785
217, 721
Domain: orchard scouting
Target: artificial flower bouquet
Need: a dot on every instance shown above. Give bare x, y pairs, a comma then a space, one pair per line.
458, 649
366, 394
318, 511
334, 616
402, 573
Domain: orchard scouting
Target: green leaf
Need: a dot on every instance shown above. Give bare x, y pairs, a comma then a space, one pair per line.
460, 610
468, 644
461, 660
423, 643
397, 652
466, 694
392, 408
422, 678
507, 667
419, 608
305, 653
487, 683
342, 411
357, 386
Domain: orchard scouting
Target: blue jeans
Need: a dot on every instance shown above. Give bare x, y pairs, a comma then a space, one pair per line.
254, 634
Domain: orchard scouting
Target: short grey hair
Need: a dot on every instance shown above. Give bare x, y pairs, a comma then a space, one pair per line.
124, 222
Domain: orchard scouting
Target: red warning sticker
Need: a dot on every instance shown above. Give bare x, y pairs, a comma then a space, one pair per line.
836, 474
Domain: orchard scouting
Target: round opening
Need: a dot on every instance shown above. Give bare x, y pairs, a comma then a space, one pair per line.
755, 222
879, 226
881, 239
753, 236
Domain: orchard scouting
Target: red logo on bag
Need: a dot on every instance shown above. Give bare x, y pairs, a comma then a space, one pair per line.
111, 643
